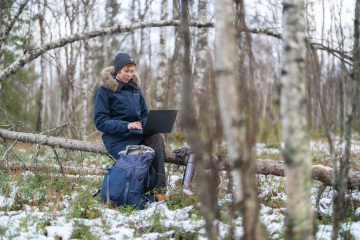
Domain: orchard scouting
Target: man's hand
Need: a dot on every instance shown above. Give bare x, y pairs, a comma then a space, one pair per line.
181, 153
135, 125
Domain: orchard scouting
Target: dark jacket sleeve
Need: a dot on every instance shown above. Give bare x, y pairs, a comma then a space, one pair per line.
102, 119
144, 110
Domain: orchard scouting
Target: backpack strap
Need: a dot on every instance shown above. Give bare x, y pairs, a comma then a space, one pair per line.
127, 186
148, 175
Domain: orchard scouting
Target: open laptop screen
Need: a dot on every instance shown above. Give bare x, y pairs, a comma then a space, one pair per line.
160, 121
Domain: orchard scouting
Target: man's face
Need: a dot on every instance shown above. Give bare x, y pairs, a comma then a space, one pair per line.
125, 74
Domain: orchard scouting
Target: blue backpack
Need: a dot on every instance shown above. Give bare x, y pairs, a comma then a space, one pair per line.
129, 177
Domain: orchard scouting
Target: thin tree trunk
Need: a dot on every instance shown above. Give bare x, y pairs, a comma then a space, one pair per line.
233, 119
106, 37
4, 10
299, 220
86, 70
149, 78
43, 85
207, 194
177, 63
133, 42
200, 54
345, 164
160, 88
341, 101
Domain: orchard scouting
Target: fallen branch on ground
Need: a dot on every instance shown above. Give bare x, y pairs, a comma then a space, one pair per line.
266, 167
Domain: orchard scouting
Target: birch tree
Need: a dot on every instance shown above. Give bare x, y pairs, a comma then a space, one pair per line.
177, 59
299, 220
200, 54
4, 9
160, 88
85, 79
43, 85
233, 119
106, 37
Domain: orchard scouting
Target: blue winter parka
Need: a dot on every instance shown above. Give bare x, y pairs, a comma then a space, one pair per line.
116, 105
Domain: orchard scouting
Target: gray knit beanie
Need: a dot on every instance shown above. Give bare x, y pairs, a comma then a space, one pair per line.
121, 59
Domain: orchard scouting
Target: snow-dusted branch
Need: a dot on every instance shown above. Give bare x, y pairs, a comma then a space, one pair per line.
36, 52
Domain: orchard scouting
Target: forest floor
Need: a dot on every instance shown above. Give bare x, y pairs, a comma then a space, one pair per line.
45, 205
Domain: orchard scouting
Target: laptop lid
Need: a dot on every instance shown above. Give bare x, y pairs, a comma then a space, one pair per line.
160, 121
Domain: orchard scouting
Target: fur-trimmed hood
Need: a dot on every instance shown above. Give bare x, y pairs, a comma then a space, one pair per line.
108, 81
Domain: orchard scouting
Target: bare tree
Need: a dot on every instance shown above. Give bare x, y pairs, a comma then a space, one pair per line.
299, 221
160, 89
345, 163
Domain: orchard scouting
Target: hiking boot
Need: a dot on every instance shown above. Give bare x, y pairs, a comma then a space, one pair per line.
160, 197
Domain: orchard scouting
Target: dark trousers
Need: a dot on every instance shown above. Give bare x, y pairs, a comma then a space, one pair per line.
156, 142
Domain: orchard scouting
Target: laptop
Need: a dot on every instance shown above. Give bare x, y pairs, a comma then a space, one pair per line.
159, 121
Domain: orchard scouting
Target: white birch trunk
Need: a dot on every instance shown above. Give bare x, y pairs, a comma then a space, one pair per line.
160, 89
200, 54
43, 85
4, 9
106, 37
225, 69
85, 79
177, 70
299, 221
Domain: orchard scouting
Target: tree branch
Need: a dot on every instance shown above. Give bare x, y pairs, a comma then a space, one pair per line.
36, 52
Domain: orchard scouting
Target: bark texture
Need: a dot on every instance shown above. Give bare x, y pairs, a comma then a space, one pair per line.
41, 104
200, 54
233, 119
4, 9
106, 37
177, 62
160, 87
86, 70
299, 220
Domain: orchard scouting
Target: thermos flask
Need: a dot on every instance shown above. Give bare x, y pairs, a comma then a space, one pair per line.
189, 172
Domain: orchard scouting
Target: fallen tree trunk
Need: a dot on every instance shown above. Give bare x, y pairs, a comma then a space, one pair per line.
17, 166
266, 167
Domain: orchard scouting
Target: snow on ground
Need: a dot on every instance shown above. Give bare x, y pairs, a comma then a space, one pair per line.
115, 224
